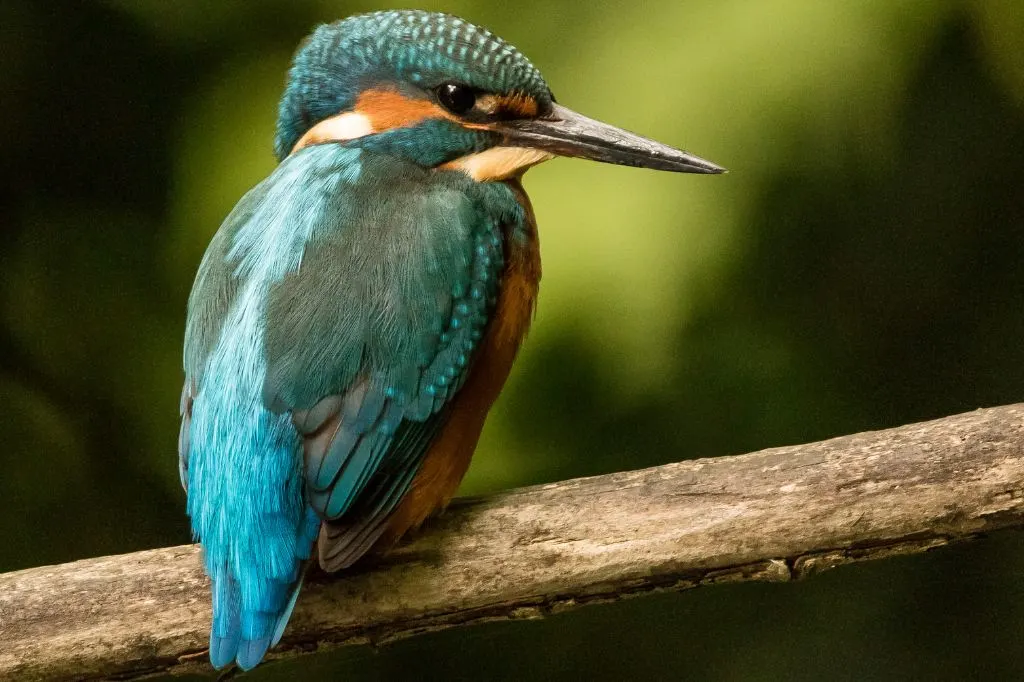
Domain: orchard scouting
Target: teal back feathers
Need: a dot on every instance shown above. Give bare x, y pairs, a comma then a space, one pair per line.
345, 295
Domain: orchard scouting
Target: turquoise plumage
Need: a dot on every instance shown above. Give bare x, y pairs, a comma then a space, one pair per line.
292, 313
355, 315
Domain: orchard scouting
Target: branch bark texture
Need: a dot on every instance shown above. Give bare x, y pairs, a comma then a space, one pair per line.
775, 515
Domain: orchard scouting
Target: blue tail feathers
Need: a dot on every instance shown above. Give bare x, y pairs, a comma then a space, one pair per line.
249, 618
238, 634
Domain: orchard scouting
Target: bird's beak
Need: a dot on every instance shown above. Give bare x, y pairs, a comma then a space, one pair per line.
566, 133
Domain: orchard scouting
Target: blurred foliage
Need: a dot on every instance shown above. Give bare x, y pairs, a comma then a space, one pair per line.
859, 268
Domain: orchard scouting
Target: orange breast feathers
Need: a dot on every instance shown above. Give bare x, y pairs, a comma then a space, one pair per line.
448, 458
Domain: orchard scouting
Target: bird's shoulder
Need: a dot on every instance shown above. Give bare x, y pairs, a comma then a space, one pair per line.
354, 256
409, 268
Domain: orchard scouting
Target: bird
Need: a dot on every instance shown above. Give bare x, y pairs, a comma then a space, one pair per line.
356, 314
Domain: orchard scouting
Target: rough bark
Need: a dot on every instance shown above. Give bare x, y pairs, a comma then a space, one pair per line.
775, 515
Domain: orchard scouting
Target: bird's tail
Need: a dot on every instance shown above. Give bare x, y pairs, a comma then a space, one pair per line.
250, 613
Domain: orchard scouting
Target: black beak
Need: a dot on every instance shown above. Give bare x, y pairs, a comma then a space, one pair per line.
566, 133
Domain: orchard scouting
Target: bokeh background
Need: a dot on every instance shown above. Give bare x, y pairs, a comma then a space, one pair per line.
859, 268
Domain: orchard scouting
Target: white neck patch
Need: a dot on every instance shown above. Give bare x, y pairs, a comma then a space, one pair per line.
498, 163
347, 126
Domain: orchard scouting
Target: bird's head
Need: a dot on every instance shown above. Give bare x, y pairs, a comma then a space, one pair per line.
441, 92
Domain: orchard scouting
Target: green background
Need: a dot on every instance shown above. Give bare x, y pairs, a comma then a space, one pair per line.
859, 268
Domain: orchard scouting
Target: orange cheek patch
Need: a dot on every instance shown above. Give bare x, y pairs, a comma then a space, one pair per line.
375, 112
388, 109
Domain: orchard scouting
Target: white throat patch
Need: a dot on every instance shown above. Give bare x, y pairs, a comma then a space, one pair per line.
498, 163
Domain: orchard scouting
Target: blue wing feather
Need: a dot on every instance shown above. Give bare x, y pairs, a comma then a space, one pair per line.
241, 462
334, 315
377, 328
345, 541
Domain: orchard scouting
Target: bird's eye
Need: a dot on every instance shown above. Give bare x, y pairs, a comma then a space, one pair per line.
458, 99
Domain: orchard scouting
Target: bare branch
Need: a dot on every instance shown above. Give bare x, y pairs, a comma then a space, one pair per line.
777, 515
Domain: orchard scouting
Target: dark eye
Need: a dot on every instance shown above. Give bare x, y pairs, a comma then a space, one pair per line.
458, 99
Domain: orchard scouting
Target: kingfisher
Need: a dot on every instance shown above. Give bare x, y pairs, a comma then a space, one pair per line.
357, 312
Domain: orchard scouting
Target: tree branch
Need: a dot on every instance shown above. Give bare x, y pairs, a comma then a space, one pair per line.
777, 515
